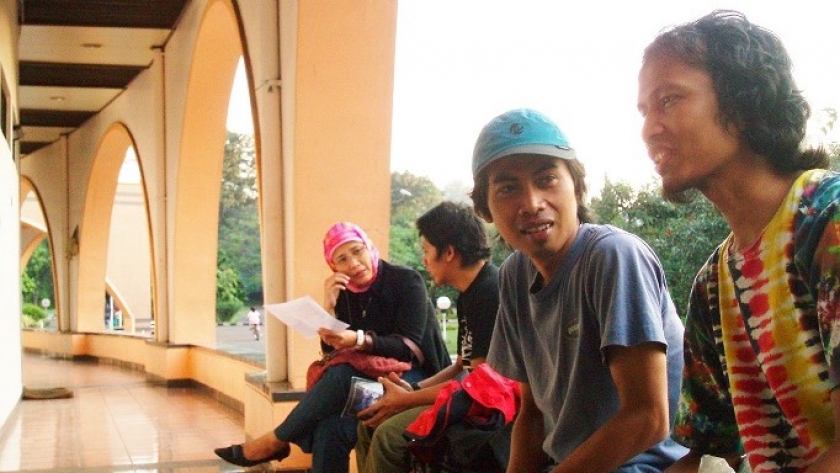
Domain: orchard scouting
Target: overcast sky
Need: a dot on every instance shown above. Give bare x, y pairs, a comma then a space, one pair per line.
461, 62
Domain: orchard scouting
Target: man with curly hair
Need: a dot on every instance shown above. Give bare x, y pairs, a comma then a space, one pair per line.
723, 116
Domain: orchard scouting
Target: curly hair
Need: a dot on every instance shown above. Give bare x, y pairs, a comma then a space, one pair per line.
751, 72
449, 223
481, 186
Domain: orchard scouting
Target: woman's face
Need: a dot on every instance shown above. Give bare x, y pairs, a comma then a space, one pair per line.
354, 260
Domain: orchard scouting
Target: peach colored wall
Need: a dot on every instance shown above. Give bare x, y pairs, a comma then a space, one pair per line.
270, 32
323, 142
222, 373
56, 343
30, 238
332, 124
95, 227
212, 64
128, 268
121, 347
45, 172
343, 103
216, 370
168, 362
32, 226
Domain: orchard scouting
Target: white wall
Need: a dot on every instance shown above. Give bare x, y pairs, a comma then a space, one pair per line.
10, 343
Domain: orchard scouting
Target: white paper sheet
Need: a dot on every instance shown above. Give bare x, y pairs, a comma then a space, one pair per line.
305, 316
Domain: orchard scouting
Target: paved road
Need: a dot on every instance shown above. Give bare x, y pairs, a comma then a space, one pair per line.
238, 339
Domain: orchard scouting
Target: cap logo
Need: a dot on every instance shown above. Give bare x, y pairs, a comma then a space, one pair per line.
516, 129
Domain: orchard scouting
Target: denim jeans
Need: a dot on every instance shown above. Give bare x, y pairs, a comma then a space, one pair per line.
316, 425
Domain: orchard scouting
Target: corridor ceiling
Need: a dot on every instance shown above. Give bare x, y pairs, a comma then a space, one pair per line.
76, 56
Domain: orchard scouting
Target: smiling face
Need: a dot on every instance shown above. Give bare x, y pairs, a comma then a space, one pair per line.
681, 129
532, 203
354, 260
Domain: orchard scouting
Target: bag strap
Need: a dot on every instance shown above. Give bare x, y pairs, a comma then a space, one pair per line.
415, 349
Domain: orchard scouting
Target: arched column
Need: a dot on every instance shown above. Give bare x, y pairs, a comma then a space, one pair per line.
92, 235
198, 173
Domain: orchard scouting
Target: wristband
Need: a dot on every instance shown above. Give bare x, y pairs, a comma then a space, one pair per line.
360, 338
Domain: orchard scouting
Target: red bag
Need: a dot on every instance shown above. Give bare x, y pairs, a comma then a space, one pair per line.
372, 366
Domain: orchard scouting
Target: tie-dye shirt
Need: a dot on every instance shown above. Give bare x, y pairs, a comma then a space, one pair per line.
762, 338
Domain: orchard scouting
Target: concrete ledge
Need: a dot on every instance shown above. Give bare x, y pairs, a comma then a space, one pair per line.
276, 392
217, 372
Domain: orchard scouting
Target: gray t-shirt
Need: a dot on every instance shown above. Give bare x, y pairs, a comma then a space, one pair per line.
609, 290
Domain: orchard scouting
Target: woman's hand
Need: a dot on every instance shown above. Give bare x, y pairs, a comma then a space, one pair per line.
337, 340
332, 288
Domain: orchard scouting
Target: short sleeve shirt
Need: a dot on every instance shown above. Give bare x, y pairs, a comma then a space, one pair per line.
610, 289
477, 308
762, 337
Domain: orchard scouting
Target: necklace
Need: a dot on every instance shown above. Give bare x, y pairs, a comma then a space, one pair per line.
362, 306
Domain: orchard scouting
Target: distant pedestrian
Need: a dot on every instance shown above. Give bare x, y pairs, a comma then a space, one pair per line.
254, 322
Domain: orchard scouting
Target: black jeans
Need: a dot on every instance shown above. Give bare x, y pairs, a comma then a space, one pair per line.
316, 425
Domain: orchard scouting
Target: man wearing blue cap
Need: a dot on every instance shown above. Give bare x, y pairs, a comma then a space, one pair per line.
586, 323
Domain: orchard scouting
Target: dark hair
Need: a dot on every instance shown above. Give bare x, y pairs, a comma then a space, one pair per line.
479, 194
751, 73
449, 223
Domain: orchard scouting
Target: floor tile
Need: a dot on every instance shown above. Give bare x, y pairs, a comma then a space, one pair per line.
115, 422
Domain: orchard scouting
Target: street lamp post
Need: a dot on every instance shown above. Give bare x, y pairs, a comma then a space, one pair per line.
443, 304
45, 303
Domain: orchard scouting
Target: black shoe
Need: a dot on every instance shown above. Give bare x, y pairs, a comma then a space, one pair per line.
236, 455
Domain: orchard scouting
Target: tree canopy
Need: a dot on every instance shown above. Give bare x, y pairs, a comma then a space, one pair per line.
239, 266
37, 278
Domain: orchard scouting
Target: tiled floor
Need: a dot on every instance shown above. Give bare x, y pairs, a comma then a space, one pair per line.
115, 421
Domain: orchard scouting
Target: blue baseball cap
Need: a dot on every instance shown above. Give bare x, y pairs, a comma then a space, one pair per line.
520, 131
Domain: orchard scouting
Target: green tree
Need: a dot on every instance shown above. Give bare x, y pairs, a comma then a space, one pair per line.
37, 278
229, 295
411, 196
239, 228
831, 144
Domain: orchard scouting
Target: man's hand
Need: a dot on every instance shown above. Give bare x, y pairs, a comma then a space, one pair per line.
395, 400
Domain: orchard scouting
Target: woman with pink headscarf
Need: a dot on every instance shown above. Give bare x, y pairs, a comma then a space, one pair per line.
389, 313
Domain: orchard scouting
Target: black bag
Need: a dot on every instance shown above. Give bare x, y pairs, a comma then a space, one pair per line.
464, 449
460, 434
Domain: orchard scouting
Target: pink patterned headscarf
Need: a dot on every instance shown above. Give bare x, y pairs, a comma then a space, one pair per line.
343, 232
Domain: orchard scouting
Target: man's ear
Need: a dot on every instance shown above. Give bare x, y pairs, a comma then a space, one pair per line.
449, 253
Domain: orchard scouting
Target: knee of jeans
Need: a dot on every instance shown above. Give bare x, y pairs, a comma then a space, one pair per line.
336, 429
